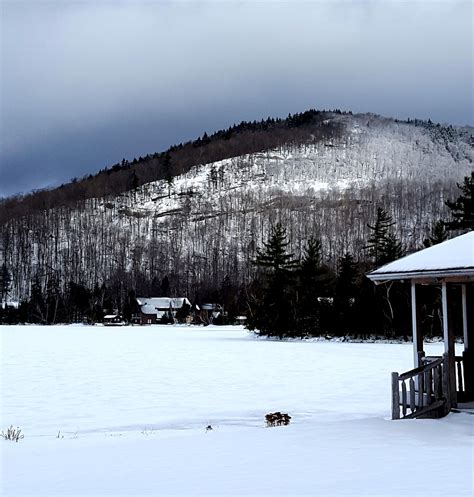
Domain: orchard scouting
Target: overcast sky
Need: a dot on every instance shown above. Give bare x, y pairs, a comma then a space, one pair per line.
85, 84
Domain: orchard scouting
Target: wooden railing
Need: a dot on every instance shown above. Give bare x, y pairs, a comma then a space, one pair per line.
458, 372
427, 392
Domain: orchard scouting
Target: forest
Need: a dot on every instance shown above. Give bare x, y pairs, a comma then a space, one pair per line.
239, 139
322, 177
287, 296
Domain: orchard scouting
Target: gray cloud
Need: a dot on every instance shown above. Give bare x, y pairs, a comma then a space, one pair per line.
85, 84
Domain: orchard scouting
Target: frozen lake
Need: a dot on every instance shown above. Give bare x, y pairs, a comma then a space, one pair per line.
135, 402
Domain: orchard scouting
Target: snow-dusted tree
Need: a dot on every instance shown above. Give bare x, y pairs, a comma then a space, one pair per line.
462, 209
438, 234
383, 245
274, 256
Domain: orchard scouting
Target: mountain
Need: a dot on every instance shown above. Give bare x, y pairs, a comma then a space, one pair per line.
201, 222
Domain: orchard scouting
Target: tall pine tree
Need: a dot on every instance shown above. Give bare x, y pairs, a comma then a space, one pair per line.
383, 245
438, 234
315, 281
345, 294
273, 307
462, 209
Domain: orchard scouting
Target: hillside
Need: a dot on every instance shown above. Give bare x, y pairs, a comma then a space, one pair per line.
240, 139
204, 225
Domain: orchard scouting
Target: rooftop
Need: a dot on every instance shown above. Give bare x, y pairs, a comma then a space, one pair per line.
452, 258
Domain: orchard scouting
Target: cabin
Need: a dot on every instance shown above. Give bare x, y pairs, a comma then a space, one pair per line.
155, 309
113, 320
437, 385
210, 312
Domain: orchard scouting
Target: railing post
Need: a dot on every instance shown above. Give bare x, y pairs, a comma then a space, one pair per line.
446, 382
395, 397
459, 374
468, 367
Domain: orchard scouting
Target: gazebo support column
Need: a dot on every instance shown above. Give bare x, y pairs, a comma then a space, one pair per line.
449, 353
464, 316
468, 332
416, 328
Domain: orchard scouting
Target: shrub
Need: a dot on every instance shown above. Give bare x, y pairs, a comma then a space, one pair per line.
13, 434
277, 419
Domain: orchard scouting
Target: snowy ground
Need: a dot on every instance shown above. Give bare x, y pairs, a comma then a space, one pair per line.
131, 405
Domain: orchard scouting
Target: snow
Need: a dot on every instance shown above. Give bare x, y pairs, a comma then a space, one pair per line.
123, 411
454, 254
163, 302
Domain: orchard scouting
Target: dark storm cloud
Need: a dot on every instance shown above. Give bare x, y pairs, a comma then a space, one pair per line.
85, 84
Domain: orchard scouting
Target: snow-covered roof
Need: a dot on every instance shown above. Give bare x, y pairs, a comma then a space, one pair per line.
453, 257
148, 309
210, 307
163, 303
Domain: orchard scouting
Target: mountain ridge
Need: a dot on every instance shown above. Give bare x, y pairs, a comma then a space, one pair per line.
240, 139
205, 224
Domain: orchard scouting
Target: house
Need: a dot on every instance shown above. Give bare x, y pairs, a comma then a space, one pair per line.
210, 312
113, 320
437, 384
156, 309
241, 320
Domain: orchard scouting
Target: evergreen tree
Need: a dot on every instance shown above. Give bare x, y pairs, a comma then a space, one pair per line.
165, 287
134, 182
315, 281
346, 294
53, 300
383, 245
5, 284
272, 310
78, 302
462, 209
438, 234
183, 312
36, 307
130, 307
392, 249
274, 255
168, 172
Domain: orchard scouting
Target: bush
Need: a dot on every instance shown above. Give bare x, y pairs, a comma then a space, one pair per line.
277, 419
13, 434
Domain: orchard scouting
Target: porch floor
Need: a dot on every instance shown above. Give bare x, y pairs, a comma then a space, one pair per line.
467, 407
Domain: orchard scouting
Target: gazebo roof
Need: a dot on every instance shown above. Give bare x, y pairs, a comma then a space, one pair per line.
452, 258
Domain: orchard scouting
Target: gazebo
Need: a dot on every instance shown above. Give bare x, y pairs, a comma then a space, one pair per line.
437, 384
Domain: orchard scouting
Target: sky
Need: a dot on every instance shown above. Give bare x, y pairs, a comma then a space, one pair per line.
85, 84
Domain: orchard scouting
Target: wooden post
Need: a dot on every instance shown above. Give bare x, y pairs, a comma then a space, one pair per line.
395, 397
468, 329
450, 368
464, 316
446, 383
416, 328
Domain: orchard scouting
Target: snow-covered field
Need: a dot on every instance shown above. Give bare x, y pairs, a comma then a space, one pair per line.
123, 411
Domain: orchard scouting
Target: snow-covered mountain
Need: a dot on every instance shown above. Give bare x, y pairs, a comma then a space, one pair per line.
208, 222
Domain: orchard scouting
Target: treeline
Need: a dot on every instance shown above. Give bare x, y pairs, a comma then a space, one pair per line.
287, 297
79, 304
306, 298
203, 229
237, 140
